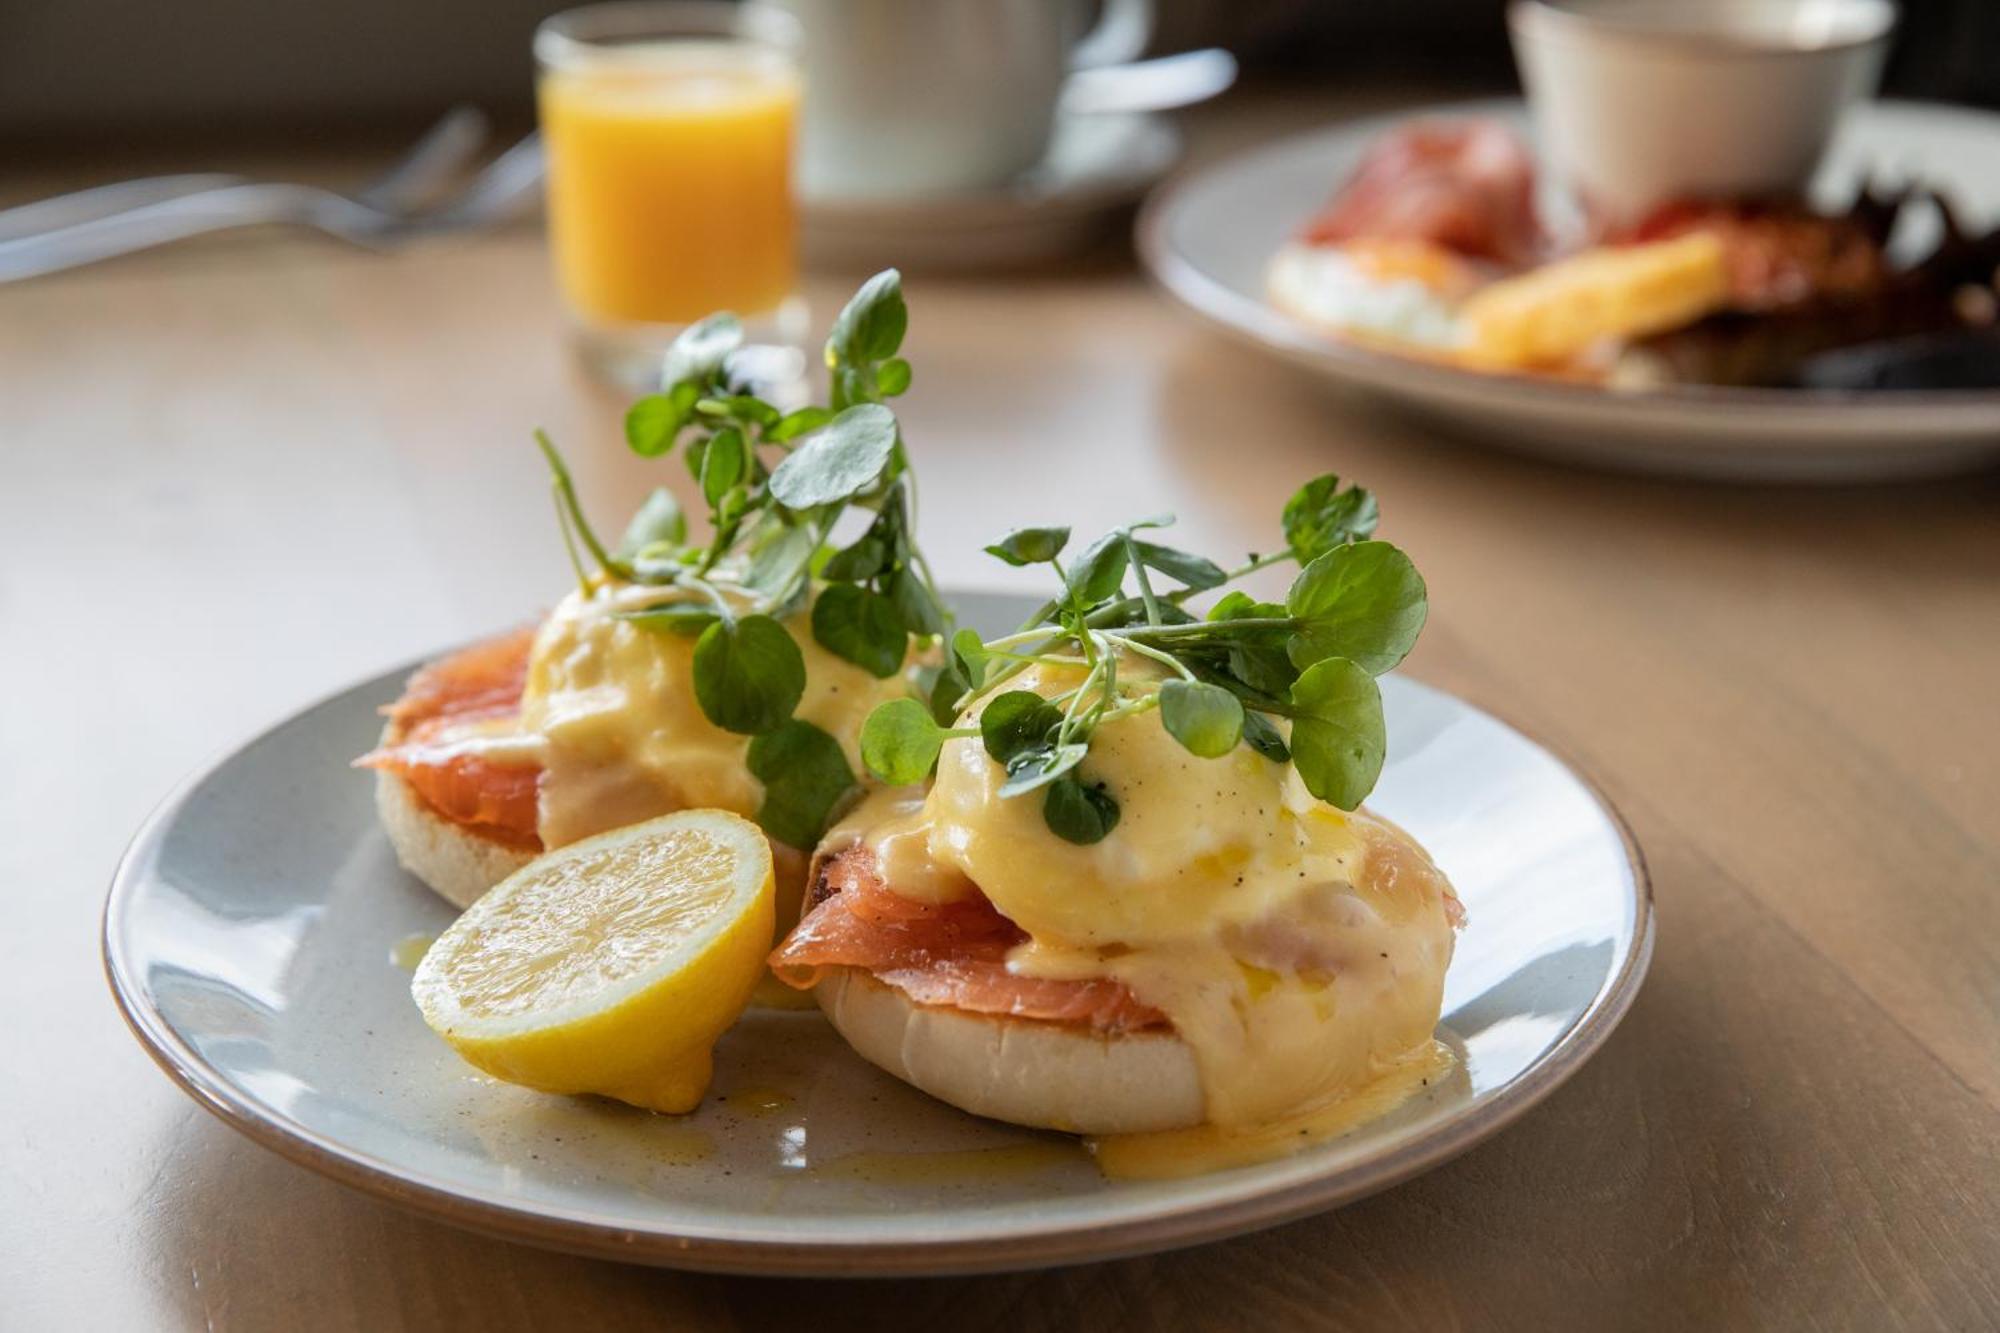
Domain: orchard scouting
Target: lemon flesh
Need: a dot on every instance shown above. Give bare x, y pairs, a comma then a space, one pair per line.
611, 965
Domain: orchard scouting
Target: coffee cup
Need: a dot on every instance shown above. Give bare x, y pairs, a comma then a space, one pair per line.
1642, 102
908, 98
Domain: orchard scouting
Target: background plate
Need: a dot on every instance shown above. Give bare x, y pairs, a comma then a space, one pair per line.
1207, 238
1097, 164
252, 939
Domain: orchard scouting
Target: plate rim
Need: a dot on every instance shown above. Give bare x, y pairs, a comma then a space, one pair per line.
575, 1233
1223, 307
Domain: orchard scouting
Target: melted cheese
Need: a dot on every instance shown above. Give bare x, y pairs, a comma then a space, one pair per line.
1298, 950
622, 736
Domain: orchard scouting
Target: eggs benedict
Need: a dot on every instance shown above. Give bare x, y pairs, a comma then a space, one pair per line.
733, 674
589, 722
1138, 898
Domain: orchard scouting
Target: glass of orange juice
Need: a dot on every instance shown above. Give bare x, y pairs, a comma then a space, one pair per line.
668, 130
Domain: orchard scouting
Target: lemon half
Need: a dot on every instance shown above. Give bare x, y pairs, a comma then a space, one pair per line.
611, 965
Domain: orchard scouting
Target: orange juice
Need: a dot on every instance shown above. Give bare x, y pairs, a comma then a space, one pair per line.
670, 181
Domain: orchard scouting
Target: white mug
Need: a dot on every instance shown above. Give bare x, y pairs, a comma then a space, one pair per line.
922, 97
1639, 102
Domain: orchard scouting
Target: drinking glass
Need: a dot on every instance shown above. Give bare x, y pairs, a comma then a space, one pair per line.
668, 127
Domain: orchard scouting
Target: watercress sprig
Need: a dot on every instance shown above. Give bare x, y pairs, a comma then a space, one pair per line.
776, 484
1243, 673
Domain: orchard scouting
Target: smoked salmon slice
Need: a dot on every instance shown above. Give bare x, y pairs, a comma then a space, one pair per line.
947, 954
1465, 185
485, 679
474, 692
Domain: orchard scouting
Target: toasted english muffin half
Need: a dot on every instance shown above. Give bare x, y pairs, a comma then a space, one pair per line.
1025, 1071
456, 862
459, 863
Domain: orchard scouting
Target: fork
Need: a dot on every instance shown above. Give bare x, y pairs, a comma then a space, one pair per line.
103, 200
383, 211
442, 150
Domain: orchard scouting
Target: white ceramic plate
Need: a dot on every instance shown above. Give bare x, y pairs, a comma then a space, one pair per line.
1097, 164
251, 939
1207, 238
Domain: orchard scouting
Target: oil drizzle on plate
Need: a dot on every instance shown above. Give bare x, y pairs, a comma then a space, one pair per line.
772, 993
679, 1145
1174, 1153
407, 952
964, 1166
759, 1101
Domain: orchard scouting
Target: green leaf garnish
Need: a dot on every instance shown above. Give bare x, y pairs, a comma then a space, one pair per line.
1016, 721
1030, 546
805, 779
570, 513
779, 563
1206, 719
1239, 675
659, 522
893, 378
794, 424
1192, 570
1099, 571
748, 674
970, 653
724, 463
871, 326
776, 484
1365, 602
744, 407
948, 685
900, 742
1039, 765
699, 352
840, 461
1260, 735
1240, 605
1078, 813
687, 618
921, 611
653, 423
857, 563
863, 627
1321, 516
1338, 737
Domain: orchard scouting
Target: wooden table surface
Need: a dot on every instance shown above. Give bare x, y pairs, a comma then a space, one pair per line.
241, 474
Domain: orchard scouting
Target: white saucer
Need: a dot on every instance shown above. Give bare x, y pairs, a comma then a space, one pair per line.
1207, 238
1097, 164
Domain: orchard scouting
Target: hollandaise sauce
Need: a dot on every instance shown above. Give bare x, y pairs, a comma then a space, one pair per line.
1299, 951
623, 737
1188, 1152
610, 721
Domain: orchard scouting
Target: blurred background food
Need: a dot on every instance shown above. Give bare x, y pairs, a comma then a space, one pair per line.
75, 72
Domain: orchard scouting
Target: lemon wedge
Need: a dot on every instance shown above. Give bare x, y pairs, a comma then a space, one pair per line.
611, 965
